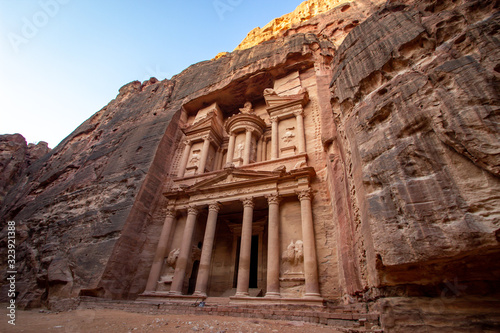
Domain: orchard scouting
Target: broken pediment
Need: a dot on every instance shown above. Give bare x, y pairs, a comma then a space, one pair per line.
273, 100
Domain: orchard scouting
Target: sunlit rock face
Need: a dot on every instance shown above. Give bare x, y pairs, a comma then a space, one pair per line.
381, 119
300, 20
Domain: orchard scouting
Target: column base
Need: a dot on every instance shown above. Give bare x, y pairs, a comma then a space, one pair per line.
312, 295
241, 294
175, 293
199, 294
272, 295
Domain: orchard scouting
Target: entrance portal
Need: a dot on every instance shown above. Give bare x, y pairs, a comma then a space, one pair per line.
254, 263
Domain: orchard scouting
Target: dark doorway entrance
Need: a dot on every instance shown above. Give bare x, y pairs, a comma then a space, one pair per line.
254, 263
192, 279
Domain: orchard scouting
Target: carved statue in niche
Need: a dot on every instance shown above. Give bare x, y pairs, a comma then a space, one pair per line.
289, 135
195, 158
293, 257
172, 257
253, 151
169, 268
240, 149
247, 108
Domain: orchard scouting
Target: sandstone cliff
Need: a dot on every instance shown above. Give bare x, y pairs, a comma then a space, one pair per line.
409, 100
299, 20
15, 156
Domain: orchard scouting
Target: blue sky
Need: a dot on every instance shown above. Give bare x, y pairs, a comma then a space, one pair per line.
63, 60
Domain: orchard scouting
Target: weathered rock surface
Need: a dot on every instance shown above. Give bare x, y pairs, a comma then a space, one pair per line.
415, 95
334, 19
15, 156
88, 205
408, 94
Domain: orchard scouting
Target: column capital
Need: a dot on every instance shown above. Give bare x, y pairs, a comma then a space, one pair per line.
273, 119
248, 202
214, 206
273, 198
298, 112
170, 212
249, 129
304, 194
192, 210
207, 137
188, 142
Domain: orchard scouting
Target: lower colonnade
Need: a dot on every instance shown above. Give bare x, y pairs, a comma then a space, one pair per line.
310, 264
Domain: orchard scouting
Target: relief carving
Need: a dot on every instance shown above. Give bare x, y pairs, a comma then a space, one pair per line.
169, 267
294, 254
172, 257
195, 158
247, 108
289, 135
240, 149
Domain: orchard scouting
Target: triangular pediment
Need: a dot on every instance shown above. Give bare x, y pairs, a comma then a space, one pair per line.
235, 177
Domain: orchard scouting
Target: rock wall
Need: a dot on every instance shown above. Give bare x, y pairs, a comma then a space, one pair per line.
87, 211
415, 96
408, 94
15, 156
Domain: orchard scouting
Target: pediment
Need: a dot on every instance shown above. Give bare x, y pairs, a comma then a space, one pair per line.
274, 100
202, 124
233, 177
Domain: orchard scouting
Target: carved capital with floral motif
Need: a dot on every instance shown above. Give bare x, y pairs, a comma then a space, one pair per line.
214, 207
273, 199
192, 210
248, 202
304, 194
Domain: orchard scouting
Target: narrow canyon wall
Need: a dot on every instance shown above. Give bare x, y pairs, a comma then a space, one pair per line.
415, 95
86, 211
408, 93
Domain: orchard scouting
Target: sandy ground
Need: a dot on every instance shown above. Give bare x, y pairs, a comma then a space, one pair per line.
121, 321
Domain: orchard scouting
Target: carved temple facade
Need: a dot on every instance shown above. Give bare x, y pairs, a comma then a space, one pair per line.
245, 203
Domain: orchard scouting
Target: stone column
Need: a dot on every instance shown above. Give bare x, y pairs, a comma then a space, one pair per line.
310, 261
259, 150
274, 138
248, 146
206, 252
273, 247
184, 253
264, 150
184, 159
218, 157
299, 117
245, 249
230, 148
161, 251
204, 154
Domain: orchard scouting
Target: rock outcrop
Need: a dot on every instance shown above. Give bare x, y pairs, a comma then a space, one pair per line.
15, 156
334, 18
408, 93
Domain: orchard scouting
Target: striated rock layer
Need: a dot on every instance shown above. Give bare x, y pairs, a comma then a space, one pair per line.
299, 20
408, 97
15, 156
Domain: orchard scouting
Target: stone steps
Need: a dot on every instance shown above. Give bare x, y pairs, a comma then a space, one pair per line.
351, 318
